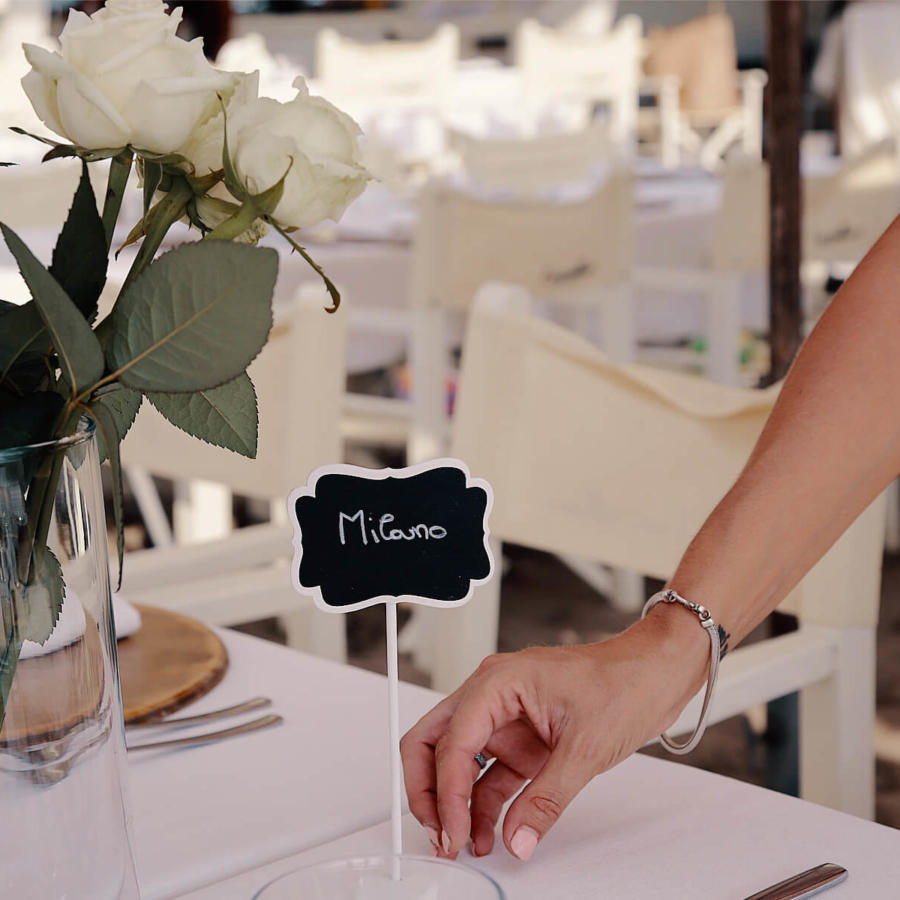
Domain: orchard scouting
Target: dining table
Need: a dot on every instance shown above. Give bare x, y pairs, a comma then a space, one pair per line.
219, 821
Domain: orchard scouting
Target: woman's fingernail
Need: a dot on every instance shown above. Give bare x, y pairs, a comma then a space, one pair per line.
445, 841
432, 836
523, 842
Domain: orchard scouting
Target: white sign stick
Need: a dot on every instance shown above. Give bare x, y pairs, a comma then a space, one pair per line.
366, 536
390, 614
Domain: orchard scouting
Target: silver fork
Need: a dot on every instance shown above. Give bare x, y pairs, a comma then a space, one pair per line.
181, 721
211, 736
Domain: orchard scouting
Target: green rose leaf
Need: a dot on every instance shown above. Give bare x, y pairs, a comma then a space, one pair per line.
107, 431
79, 353
122, 404
60, 151
43, 600
29, 373
29, 419
194, 319
79, 258
226, 416
23, 332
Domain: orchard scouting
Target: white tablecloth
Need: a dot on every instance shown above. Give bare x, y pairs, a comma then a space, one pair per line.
656, 830
202, 814
223, 819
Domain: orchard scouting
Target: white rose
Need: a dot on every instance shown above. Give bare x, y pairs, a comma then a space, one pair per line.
123, 77
308, 135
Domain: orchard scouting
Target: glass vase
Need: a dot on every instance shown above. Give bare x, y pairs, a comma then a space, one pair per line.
63, 803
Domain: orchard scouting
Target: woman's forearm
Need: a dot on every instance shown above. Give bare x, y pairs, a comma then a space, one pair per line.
556, 717
831, 444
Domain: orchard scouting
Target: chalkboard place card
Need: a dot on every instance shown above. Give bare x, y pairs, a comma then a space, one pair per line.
368, 536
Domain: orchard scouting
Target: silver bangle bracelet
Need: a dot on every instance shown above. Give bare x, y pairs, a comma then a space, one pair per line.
706, 620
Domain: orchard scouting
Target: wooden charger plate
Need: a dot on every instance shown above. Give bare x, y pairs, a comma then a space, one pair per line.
51, 694
168, 662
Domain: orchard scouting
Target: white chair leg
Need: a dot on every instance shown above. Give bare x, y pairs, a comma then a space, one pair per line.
730, 129
419, 636
152, 512
428, 363
278, 512
752, 110
669, 124
598, 576
837, 721
617, 323
313, 631
468, 634
724, 328
201, 511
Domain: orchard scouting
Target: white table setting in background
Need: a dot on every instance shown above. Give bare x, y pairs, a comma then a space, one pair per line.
368, 254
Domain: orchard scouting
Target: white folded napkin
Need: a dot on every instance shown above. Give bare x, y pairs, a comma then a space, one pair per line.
71, 624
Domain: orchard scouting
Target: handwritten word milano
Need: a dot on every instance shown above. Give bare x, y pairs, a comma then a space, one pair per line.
382, 531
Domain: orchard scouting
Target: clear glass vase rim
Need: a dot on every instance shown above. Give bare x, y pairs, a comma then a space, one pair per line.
334, 862
85, 431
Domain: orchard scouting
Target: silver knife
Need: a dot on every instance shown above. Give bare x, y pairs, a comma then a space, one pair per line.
806, 884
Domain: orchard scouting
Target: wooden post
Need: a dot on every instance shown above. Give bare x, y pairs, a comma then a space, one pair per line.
784, 124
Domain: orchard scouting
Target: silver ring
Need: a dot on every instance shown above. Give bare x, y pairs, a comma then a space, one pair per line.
482, 760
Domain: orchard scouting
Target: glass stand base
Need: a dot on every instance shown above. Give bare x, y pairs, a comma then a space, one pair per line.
370, 878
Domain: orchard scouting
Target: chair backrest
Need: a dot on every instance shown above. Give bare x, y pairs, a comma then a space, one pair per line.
622, 464
534, 164
702, 53
398, 70
845, 213
553, 249
553, 62
299, 380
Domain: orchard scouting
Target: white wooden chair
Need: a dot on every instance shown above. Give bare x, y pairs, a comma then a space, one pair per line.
845, 213
595, 484
532, 165
399, 91
575, 256
704, 104
562, 64
571, 259
387, 73
299, 379
740, 248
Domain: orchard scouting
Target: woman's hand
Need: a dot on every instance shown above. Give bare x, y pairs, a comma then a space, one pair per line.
553, 717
